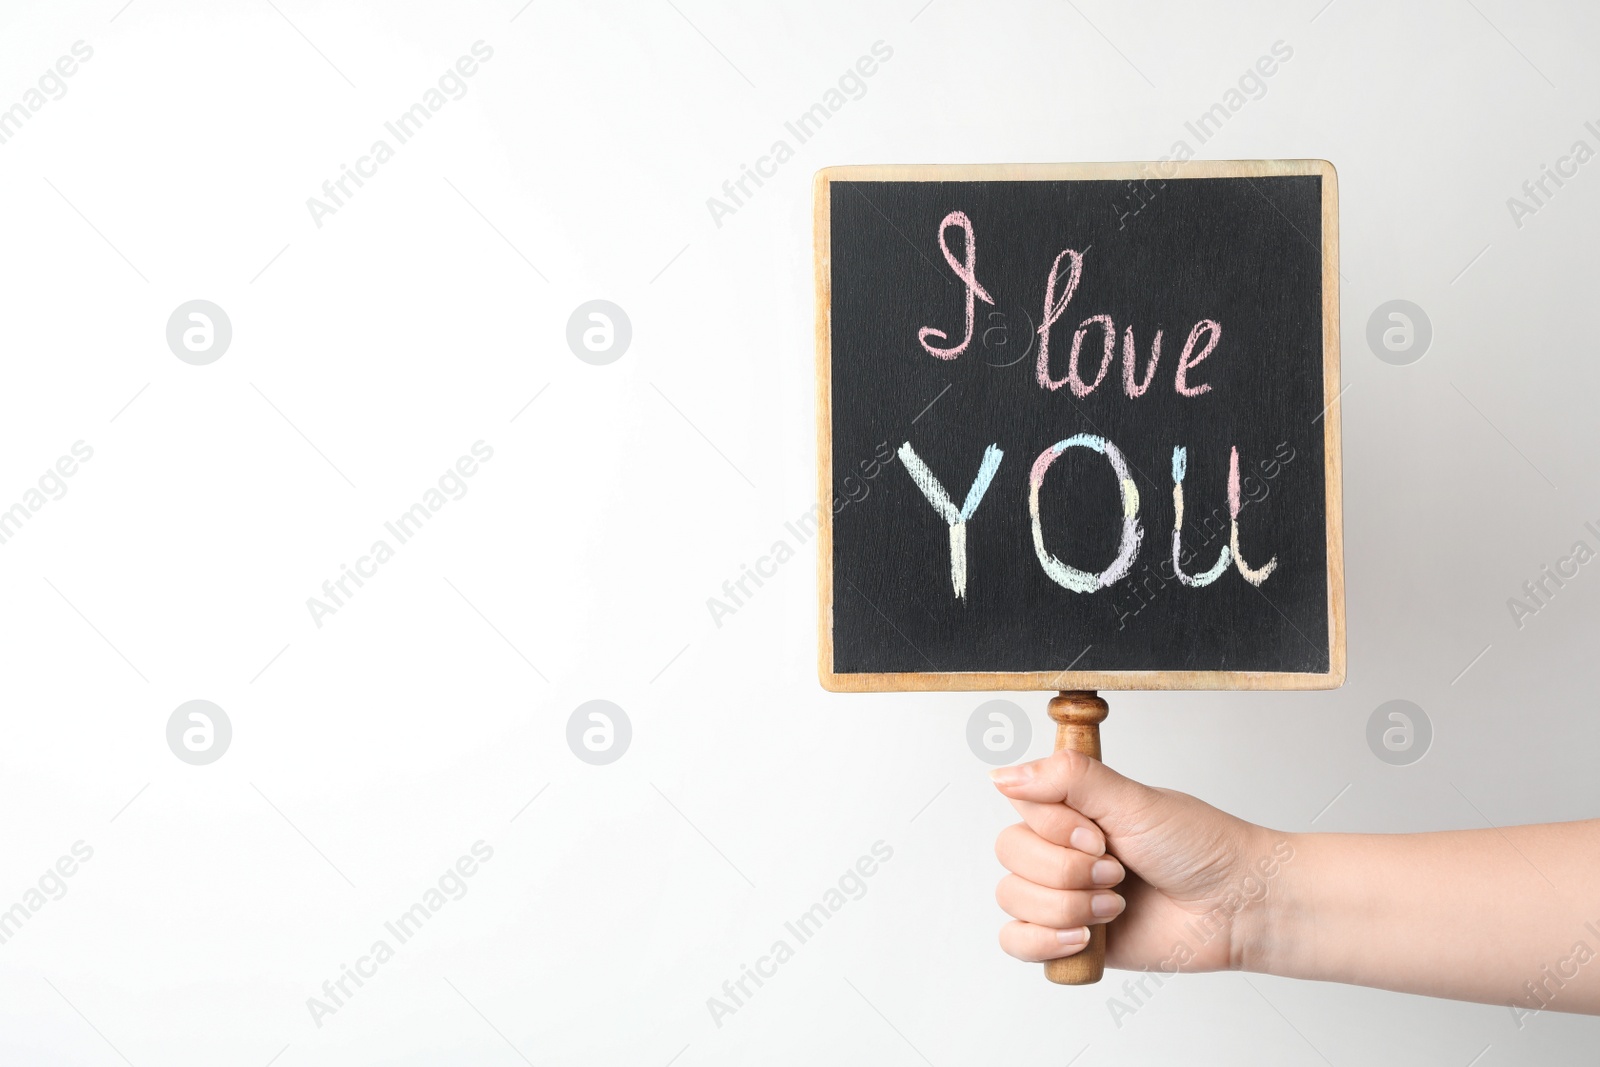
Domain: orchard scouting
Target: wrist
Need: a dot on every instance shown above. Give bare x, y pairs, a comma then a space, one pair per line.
1273, 865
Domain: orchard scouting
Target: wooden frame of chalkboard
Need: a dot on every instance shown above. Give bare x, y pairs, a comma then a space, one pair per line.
1133, 174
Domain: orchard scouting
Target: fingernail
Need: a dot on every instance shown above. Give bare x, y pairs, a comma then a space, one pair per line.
1076, 936
1086, 840
1105, 872
1004, 776
1105, 905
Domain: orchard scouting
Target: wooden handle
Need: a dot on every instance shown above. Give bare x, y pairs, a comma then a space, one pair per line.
1078, 715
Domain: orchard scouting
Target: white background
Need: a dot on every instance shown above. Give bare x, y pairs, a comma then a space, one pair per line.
370, 753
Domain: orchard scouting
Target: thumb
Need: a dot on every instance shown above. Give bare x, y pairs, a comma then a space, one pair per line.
1082, 783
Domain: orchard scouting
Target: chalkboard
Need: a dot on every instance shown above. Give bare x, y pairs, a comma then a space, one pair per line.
1004, 450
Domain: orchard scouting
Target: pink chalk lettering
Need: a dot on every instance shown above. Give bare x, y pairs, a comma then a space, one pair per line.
1053, 309
967, 271
1108, 351
1187, 361
1130, 356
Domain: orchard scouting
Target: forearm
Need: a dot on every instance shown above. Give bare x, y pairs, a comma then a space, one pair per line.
1496, 916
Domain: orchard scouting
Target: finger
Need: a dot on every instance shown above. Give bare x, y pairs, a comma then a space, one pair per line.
1027, 941
1079, 781
1023, 852
1059, 909
1062, 825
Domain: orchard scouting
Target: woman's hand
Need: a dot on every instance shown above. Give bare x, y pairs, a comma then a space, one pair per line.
1505, 915
1186, 877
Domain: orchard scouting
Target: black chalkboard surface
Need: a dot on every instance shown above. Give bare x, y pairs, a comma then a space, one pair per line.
1025, 372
